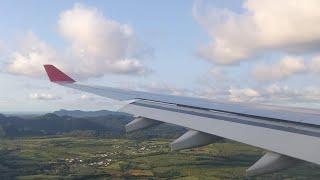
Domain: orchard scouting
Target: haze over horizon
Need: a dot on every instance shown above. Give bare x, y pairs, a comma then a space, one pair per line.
239, 50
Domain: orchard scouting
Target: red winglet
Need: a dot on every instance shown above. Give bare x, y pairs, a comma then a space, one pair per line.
55, 75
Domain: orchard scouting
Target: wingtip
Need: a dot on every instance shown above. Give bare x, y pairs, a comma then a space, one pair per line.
57, 76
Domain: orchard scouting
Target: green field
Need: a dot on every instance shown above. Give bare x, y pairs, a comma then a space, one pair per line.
70, 158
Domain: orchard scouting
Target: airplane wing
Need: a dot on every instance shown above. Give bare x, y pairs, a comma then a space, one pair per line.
288, 134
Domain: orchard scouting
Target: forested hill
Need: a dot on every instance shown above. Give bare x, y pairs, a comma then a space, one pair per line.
78, 113
104, 126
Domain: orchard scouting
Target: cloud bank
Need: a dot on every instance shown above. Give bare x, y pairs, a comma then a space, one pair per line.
265, 26
282, 69
243, 94
96, 45
43, 96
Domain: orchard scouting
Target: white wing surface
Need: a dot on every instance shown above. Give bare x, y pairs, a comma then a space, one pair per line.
288, 134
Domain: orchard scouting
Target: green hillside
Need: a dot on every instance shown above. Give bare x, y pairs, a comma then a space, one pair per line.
64, 147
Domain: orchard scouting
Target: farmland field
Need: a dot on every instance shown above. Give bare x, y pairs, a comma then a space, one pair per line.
58, 157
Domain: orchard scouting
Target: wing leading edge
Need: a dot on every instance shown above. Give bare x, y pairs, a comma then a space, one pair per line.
287, 133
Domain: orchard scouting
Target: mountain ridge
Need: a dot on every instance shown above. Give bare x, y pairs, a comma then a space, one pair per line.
80, 113
98, 125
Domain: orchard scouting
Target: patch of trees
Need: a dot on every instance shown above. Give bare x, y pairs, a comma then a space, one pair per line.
108, 126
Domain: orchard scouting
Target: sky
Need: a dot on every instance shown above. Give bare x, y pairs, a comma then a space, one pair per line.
257, 51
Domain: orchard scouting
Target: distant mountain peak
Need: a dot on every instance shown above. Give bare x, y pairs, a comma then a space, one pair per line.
50, 115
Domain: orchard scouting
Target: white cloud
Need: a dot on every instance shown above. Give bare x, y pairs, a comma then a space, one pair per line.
97, 46
284, 94
277, 94
30, 56
243, 94
274, 89
43, 96
264, 26
87, 97
282, 69
91, 34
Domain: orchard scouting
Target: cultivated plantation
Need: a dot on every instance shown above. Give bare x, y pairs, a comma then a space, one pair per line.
94, 158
